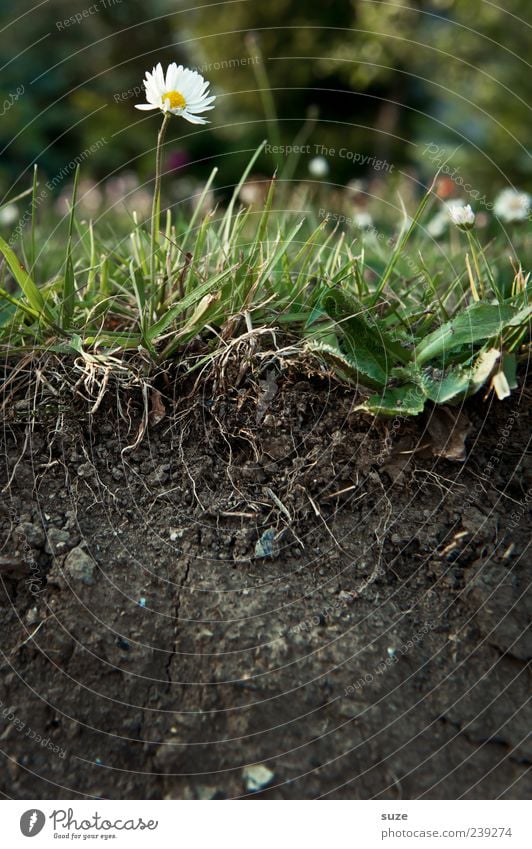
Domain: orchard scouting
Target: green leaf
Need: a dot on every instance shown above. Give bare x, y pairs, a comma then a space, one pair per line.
227, 219
69, 280
346, 367
32, 293
459, 381
193, 325
69, 290
475, 324
404, 239
15, 303
407, 400
185, 303
440, 387
368, 346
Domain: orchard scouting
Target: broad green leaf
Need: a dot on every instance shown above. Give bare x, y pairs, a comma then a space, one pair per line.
475, 324
407, 400
440, 387
369, 347
346, 367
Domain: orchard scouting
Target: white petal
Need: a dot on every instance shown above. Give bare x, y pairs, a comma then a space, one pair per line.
201, 103
171, 76
152, 94
159, 76
193, 119
145, 107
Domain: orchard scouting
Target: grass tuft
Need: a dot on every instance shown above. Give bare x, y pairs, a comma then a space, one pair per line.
406, 318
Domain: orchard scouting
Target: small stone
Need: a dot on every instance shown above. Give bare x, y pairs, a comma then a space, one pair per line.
257, 777
32, 616
205, 792
80, 566
264, 547
57, 541
159, 475
345, 597
29, 534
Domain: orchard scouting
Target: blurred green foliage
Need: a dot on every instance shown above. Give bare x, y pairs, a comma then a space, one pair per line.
387, 79
445, 72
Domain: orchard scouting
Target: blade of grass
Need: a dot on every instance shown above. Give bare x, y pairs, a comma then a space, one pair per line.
226, 220
26, 283
182, 305
33, 222
69, 279
198, 209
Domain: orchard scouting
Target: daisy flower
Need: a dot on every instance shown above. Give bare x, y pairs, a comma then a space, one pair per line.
462, 216
181, 92
362, 219
511, 205
438, 224
318, 167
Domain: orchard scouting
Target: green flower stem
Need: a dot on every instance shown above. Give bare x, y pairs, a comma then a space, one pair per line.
473, 240
473, 245
156, 206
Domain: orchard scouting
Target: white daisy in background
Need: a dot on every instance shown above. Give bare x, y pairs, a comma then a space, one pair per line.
362, 219
318, 167
181, 92
511, 205
462, 215
438, 224
8, 214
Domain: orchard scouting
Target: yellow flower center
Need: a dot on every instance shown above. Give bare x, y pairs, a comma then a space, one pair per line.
175, 99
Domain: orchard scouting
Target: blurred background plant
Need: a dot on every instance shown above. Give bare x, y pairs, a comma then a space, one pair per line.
383, 79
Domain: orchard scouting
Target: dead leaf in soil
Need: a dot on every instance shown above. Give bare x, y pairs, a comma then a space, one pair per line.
448, 430
158, 410
400, 457
269, 390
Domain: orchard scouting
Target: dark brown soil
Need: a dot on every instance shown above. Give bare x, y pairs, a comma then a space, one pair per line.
378, 650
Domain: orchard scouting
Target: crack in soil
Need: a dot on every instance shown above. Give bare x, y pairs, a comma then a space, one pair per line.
177, 606
490, 741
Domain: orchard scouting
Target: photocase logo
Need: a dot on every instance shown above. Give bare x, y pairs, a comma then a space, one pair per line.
32, 822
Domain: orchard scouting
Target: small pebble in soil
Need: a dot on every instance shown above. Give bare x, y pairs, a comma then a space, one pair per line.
57, 541
257, 777
264, 546
29, 534
80, 566
32, 616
